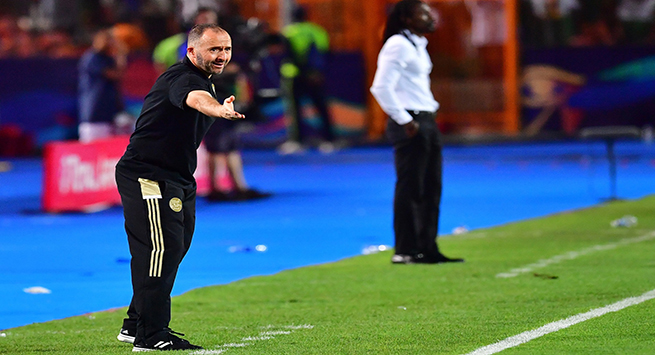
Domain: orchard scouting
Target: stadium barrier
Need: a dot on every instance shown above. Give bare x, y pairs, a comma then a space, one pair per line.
80, 176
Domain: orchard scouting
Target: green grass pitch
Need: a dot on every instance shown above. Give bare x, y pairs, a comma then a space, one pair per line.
559, 266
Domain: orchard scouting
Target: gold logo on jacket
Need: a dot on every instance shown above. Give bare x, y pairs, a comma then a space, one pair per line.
175, 204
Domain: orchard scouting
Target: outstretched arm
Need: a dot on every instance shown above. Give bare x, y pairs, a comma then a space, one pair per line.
203, 101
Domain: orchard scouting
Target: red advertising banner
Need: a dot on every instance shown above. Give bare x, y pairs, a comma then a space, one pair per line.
80, 176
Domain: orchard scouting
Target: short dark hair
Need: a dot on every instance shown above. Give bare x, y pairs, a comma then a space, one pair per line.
198, 30
299, 14
395, 22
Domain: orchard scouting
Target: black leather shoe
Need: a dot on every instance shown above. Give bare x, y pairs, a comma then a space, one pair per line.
435, 259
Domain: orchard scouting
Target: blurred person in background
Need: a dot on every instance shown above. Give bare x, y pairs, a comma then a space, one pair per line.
488, 35
224, 145
8, 30
555, 21
303, 75
58, 43
188, 9
16, 42
100, 70
402, 88
222, 140
596, 22
636, 19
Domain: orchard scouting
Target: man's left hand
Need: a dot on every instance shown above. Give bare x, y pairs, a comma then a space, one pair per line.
230, 114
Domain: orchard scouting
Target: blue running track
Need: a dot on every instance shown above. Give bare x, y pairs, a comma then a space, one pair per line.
325, 208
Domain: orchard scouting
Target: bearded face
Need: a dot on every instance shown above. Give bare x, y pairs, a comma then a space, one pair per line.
212, 52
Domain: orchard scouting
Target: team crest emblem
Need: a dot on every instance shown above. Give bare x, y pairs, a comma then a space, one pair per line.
175, 204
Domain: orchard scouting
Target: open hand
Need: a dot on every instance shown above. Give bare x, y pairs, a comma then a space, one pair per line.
229, 113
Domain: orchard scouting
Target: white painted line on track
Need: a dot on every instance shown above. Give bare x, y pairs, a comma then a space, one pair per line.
573, 255
561, 324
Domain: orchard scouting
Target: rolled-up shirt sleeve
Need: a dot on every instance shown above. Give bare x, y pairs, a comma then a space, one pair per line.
391, 62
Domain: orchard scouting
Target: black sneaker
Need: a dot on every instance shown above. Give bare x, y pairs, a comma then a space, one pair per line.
164, 341
126, 336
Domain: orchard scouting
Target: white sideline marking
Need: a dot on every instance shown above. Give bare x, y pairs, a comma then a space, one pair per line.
256, 338
268, 334
235, 345
302, 326
277, 332
561, 324
573, 255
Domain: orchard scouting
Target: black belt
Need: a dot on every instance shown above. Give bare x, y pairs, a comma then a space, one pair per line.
417, 113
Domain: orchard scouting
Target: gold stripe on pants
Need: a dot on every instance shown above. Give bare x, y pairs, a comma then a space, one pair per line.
157, 238
152, 194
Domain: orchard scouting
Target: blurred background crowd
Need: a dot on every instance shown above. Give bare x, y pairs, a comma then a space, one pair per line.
548, 23
63, 28
550, 67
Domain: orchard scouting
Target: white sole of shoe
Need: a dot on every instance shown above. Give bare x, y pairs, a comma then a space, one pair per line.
125, 338
137, 349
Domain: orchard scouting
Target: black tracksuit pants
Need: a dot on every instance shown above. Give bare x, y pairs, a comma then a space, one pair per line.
159, 221
417, 197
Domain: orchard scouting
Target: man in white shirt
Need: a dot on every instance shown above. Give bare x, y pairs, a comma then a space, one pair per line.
402, 88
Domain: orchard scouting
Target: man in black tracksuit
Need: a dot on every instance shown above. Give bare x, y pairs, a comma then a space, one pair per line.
157, 187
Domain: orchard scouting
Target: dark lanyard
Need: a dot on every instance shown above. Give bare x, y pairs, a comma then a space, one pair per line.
409, 39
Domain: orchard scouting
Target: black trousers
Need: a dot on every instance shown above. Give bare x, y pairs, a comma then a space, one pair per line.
417, 197
159, 221
297, 89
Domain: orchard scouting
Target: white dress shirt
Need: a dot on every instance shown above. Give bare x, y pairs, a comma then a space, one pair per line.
402, 79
